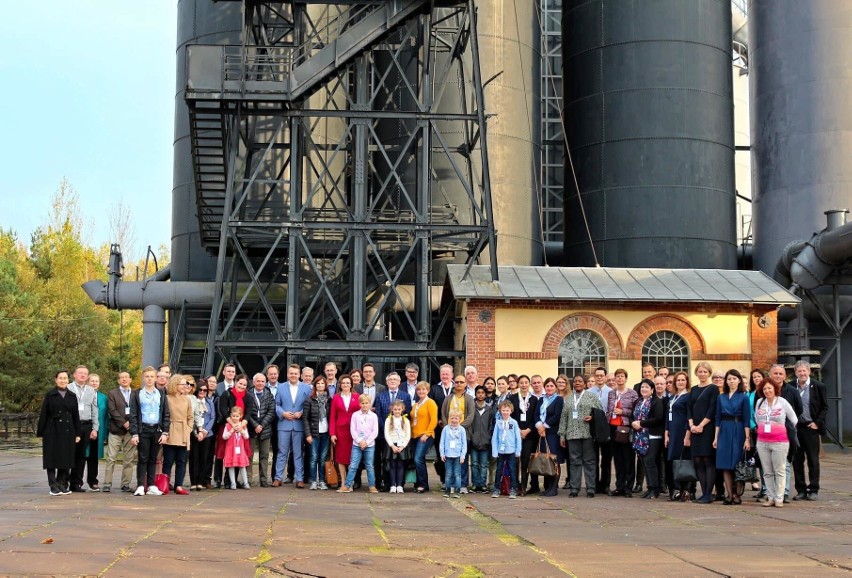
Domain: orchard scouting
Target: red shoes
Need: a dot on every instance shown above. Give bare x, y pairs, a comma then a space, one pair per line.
181, 492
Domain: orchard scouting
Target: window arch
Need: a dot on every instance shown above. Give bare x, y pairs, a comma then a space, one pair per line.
581, 352
666, 348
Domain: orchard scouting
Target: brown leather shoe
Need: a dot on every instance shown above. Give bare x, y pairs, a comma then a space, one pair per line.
276, 484
300, 485
373, 490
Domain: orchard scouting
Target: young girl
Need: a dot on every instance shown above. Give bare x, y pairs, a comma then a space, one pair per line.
364, 428
453, 449
237, 448
397, 435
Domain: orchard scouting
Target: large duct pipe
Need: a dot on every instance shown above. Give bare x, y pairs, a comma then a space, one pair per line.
807, 264
153, 335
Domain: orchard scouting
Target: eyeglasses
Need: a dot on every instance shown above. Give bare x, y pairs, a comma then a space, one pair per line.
459, 381
513, 381
718, 377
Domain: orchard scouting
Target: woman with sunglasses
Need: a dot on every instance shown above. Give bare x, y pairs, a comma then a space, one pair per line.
181, 427
201, 442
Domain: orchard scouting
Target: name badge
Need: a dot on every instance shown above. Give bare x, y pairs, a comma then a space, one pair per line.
414, 421
574, 415
152, 417
523, 417
81, 407
126, 411
502, 448
237, 450
670, 415
452, 444
767, 428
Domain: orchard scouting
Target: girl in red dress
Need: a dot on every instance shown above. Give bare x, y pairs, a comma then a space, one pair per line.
237, 447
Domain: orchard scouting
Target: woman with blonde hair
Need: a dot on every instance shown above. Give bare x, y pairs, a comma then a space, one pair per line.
181, 426
701, 417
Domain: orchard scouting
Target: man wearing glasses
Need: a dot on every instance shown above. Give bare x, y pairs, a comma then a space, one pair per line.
439, 392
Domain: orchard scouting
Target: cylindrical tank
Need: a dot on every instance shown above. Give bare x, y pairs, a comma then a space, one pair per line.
649, 120
799, 54
198, 22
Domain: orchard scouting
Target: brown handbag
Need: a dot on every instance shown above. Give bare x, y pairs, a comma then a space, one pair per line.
622, 434
331, 477
544, 463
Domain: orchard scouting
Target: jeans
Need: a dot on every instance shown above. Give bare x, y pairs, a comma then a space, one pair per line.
773, 458
452, 474
512, 462
357, 453
420, 451
175, 455
479, 467
319, 453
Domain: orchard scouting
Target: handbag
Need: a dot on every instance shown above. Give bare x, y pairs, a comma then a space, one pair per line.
331, 477
505, 481
745, 470
684, 470
622, 434
544, 463
162, 483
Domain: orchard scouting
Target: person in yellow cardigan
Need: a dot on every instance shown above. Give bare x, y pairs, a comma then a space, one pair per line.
424, 420
176, 447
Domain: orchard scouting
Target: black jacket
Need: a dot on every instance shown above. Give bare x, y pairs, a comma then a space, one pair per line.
656, 420
58, 426
791, 393
531, 415
818, 405
311, 416
267, 413
136, 408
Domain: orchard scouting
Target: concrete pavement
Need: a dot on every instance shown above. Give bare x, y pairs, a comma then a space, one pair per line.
290, 532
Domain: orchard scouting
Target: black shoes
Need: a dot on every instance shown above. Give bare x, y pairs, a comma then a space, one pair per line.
77, 489
800, 496
574, 494
616, 493
126, 489
812, 497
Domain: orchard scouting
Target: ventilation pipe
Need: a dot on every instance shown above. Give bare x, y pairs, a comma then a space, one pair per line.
807, 264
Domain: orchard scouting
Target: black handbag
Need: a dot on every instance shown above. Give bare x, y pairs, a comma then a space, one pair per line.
792, 435
622, 434
683, 470
745, 470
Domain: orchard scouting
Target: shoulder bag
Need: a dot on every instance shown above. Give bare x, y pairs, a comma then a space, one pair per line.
683, 470
544, 463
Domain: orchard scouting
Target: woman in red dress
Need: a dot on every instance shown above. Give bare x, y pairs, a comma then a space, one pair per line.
343, 405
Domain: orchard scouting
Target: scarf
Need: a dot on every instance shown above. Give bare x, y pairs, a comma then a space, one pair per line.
641, 437
542, 410
239, 398
322, 402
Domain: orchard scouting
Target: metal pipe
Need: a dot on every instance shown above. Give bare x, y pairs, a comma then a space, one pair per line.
822, 253
153, 335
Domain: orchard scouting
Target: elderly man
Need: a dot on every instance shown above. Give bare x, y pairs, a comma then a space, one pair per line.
439, 392
87, 406
118, 409
810, 426
471, 377
260, 411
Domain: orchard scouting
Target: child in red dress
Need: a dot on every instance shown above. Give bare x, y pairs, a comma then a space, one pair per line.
237, 447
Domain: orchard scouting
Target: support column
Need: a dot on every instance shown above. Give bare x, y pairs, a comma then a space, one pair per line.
153, 335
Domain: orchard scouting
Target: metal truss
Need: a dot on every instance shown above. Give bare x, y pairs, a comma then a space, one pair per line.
329, 193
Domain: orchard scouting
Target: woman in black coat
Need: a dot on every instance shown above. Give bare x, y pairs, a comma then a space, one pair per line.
59, 430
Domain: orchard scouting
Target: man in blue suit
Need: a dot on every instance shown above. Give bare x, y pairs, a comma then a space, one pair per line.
382, 405
289, 402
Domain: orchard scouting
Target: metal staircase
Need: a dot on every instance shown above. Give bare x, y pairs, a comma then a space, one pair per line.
323, 154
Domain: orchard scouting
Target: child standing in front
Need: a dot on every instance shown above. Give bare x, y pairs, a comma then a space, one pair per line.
506, 447
364, 428
397, 436
237, 448
453, 449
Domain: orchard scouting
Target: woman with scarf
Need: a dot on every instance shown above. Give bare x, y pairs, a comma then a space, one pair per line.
549, 413
315, 418
234, 397
648, 427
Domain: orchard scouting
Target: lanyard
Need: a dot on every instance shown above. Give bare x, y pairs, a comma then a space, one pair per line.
578, 399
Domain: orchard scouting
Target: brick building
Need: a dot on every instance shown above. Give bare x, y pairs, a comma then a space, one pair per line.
551, 320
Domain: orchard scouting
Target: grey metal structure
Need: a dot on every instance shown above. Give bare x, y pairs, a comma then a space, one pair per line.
316, 143
801, 125
649, 120
552, 157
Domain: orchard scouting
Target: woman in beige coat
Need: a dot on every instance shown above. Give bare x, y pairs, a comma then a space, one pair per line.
176, 447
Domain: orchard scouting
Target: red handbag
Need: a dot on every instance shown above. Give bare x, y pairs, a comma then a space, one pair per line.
162, 483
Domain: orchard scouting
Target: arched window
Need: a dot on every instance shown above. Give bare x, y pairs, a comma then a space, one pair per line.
581, 352
666, 348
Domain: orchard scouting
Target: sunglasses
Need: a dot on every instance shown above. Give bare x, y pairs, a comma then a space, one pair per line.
460, 381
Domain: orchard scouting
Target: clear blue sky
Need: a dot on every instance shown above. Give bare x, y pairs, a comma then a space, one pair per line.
88, 94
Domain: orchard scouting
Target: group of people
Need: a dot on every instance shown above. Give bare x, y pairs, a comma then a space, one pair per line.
487, 437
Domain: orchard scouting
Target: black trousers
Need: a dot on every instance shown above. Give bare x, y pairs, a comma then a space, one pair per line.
80, 459
199, 451
649, 461
58, 479
528, 446
623, 456
808, 451
440, 469
147, 451
603, 467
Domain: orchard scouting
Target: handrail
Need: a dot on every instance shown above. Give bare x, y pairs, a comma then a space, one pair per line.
180, 335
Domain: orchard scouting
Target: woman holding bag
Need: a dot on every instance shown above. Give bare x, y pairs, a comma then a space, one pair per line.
549, 413
677, 436
622, 400
648, 427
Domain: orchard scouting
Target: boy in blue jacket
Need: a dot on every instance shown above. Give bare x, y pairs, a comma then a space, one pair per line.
506, 447
453, 449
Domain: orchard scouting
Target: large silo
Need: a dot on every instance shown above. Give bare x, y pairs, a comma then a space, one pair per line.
649, 121
801, 119
198, 22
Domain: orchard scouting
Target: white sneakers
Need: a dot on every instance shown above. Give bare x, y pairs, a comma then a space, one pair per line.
322, 486
140, 491
154, 491
313, 485
396, 490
